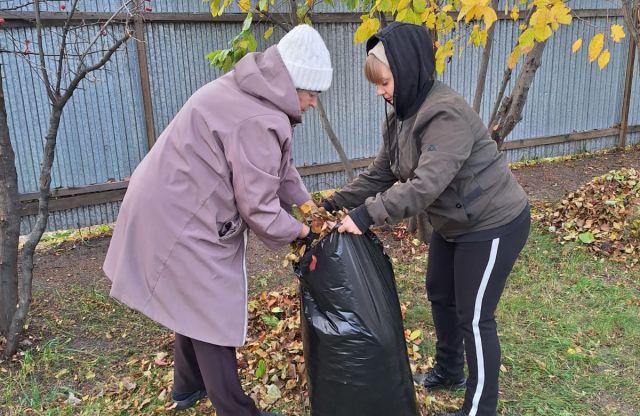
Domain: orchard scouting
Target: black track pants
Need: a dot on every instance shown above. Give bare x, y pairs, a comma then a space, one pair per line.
200, 366
464, 283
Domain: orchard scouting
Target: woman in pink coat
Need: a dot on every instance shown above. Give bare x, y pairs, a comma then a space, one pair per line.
222, 167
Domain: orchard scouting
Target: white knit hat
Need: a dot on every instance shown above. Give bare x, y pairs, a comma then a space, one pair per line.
307, 59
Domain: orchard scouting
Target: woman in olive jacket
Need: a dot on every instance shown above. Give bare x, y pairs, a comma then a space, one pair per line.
438, 158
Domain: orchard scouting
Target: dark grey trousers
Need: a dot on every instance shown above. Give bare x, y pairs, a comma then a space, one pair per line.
200, 366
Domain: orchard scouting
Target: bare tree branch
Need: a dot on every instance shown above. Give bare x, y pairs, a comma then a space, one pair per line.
326, 124
104, 26
484, 66
82, 72
63, 45
505, 81
282, 25
43, 67
18, 7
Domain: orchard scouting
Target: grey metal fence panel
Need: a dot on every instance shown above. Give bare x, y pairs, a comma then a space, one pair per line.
76, 218
178, 6
101, 128
103, 135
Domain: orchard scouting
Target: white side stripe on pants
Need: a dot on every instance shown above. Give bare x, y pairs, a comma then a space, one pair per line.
476, 327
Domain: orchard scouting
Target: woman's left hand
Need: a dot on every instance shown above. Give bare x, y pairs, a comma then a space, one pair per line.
347, 225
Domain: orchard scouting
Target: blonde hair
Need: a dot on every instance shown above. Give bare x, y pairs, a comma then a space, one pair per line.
373, 68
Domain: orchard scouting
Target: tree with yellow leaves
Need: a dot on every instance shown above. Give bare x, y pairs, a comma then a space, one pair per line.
457, 24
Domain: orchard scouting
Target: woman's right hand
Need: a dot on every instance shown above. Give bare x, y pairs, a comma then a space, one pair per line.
348, 226
304, 231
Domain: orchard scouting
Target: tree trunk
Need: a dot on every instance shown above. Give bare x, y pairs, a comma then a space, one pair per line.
420, 225
484, 66
9, 223
631, 14
510, 112
348, 168
35, 235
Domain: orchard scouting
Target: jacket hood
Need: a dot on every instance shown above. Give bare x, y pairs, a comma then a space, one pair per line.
409, 50
264, 76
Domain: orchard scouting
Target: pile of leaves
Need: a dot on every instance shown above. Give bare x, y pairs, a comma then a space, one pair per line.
602, 215
272, 366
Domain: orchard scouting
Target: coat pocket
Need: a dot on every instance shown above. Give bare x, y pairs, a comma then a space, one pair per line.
231, 228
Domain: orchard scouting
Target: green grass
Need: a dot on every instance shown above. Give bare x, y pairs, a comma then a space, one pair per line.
569, 327
570, 331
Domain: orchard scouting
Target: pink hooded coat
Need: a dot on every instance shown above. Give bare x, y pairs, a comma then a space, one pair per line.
221, 166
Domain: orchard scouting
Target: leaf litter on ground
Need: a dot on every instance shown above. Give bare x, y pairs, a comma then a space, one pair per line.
603, 216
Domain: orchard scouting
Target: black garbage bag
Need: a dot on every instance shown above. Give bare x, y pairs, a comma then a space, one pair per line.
354, 346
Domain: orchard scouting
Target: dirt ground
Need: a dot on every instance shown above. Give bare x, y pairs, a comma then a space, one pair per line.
81, 264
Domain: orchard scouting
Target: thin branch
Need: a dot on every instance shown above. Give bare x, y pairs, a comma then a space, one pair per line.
63, 45
505, 81
484, 66
83, 72
43, 68
104, 26
8, 9
273, 20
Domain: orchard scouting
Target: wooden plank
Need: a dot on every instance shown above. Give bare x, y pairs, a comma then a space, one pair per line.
96, 198
27, 18
332, 167
65, 192
145, 82
562, 138
626, 100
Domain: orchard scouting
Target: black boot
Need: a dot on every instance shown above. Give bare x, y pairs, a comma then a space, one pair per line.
459, 412
187, 400
434, 381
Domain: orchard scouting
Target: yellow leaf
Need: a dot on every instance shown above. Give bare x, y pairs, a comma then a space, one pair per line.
490, 17
515, 13
216, 10
403, 4
526, 40
402, 14
368, 27
429, 19
419, 6
542, 32
617, 33
306, 208
595, 46
514, 56
61, 373
244, 5
604, 59
268, 33
415, 334
576, 45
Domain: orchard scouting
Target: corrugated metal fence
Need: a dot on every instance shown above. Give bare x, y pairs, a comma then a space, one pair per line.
103, 134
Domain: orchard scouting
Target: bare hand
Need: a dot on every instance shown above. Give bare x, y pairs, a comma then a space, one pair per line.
349, 226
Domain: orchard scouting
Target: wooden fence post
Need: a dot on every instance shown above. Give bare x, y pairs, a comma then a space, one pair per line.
145, 82
626, 100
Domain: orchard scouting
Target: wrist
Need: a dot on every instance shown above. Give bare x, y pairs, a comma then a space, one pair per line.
361, 218
304, 231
